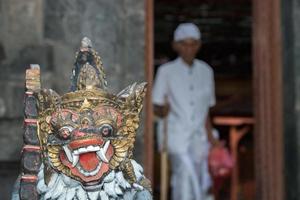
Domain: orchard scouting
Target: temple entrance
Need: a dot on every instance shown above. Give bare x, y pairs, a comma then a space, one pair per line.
238, 45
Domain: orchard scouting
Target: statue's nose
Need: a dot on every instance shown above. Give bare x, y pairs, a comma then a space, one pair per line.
79, 133
84, 131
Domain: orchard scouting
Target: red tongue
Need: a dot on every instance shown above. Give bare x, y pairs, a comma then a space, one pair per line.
88, 161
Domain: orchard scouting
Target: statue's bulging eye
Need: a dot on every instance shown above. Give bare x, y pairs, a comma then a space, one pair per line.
106, 130
65, 131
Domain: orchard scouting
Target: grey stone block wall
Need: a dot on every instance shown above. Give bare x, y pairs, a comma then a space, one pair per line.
291, 96
48, 33
115, 27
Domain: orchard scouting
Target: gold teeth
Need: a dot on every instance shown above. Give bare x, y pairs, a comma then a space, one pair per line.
56, 163
54, 149
53, 154
128, 171
121, 154
60, 167
117, 159
113, 163
119, 144
121, 151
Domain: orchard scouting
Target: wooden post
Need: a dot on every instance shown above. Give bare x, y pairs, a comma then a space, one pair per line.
31, 159
149, 56
267, 59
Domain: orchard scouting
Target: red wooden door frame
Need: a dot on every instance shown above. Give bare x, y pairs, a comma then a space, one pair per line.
267, 79
149, 57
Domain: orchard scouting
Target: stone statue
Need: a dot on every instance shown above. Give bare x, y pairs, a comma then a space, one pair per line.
79, 145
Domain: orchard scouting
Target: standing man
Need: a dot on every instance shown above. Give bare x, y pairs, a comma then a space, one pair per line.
184, 92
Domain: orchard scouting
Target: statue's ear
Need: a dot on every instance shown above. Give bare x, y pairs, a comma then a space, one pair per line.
47, 98
133, 97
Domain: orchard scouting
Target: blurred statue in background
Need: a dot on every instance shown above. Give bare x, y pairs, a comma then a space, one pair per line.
85, 138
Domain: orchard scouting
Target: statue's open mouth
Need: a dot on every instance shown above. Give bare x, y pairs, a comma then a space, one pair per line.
87, 158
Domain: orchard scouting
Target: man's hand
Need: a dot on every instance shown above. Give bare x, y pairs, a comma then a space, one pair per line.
211, 138
162, 111
217, 143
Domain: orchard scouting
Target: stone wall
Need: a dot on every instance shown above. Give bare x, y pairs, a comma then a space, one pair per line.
48, 33
291, 96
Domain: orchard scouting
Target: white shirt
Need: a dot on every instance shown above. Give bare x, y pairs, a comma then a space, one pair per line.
190, 93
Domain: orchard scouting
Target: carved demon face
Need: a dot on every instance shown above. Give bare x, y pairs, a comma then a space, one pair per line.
86, 134
86, 140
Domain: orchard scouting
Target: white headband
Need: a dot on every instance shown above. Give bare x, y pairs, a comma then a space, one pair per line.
187, 30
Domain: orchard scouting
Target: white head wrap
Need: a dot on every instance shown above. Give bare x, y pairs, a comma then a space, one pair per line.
187, 30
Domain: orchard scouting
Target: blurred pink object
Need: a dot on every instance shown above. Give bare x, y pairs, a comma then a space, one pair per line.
220, 162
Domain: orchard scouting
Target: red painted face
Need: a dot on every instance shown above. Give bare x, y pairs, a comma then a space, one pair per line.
87, 149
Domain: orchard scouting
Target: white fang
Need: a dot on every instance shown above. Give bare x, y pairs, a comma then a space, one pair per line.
101, 153
75, 159
68, 153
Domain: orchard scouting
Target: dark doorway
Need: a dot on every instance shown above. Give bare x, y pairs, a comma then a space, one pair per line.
226, 28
